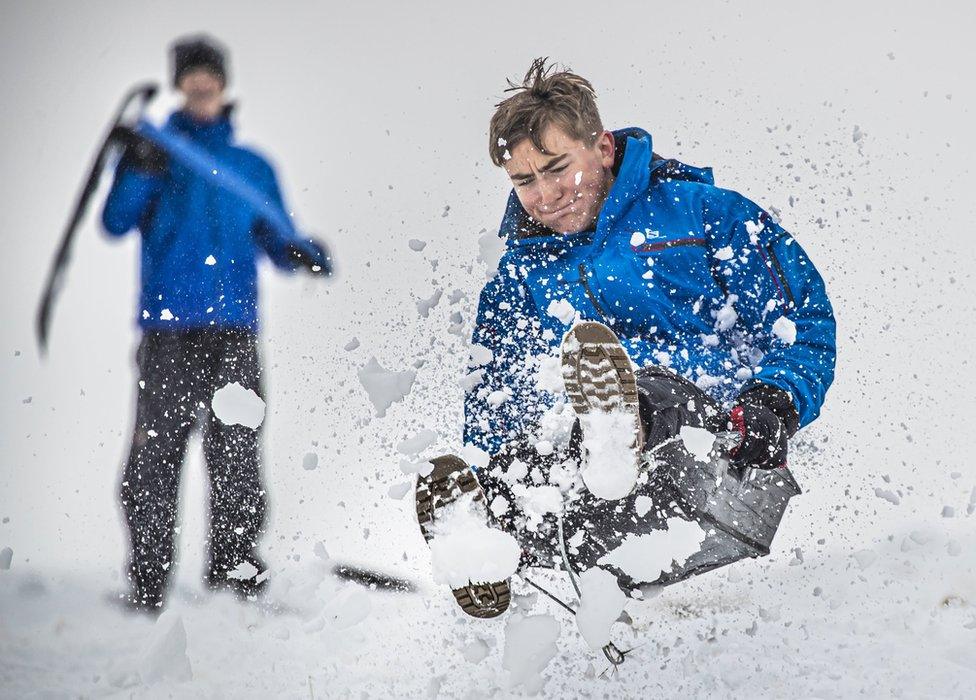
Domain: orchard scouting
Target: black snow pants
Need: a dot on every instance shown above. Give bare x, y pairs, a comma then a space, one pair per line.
179, 371
740, 512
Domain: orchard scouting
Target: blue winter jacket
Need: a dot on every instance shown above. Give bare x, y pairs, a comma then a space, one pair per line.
199, 243
687, 274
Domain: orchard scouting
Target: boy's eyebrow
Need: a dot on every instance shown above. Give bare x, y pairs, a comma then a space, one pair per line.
554, 163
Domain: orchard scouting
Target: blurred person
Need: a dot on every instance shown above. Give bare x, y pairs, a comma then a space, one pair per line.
198, 312
670, 302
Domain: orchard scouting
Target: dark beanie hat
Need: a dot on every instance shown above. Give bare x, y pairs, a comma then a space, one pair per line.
198, 51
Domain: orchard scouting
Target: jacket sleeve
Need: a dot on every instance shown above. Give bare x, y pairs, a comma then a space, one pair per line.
279, 241
129, 199
501, 400
779, 297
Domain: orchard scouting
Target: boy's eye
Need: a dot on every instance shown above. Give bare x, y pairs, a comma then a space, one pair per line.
559, 169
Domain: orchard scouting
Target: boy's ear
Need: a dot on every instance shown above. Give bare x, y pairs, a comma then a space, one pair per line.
607, 149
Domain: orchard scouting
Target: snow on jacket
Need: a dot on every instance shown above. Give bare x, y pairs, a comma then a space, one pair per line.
199, 243
688, 275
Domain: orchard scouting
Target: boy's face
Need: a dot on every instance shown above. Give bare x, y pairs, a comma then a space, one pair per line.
203, 93
564, 188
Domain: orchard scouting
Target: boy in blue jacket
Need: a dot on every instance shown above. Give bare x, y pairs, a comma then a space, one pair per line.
671, 299
199, 317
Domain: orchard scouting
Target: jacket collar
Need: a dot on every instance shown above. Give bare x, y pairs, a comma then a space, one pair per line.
636, 168
216, 132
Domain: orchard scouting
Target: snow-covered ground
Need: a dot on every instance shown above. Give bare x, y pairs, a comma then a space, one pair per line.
852, 122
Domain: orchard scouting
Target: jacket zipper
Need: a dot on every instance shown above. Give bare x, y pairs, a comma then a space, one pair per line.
590, 295
781, 277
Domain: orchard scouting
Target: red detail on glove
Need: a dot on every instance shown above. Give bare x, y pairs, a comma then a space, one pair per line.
739, 423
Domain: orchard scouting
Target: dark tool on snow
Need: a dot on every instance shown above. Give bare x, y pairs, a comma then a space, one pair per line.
373, 579
136, 101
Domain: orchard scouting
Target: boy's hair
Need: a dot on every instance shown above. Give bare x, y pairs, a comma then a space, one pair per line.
544, 98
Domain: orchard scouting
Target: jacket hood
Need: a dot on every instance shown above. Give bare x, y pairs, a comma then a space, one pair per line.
636, 167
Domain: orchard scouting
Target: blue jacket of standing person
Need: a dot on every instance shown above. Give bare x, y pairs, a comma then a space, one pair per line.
200, 244
688, 275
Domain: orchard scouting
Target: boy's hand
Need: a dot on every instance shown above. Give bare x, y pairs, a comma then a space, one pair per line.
140, 154
317, 261
766, 418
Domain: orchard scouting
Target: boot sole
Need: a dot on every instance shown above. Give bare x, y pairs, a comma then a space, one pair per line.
598, 374
450, 479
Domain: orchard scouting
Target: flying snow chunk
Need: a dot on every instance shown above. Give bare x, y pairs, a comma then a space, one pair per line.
785, 330
416, 244
601, 603
398, 491
244, 571
351, 345
530, 644
418, 443
384, 387
497, 398
645, 557
698, 442
466, 550
347, 608
637, 238
164, 657
6, 556
549, 376
611, 467
643, 505
480, 355
475, 456
310, 461
491, 247
425, 305
235, 405
166, 315
562, 310
725, 253
211, 260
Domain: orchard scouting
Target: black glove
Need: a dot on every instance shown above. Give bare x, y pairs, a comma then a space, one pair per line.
766, 418
140, 154
317, 261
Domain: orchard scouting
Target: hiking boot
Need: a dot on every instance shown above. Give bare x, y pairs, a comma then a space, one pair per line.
451, 479
600, 379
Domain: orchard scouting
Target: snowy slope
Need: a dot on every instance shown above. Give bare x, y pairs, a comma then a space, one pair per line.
852, 124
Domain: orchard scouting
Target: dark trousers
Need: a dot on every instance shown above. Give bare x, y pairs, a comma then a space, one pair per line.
179, 371
738, 512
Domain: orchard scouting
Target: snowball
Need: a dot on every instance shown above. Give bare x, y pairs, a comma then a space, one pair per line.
497, 398
539, 500
244, 571
637, 238
698, 442
645, 557
425, 305
466, 550
562, 310
235, 405
475, 456
475, 651
480, 355
164, 657
725, 253
418, 443
643, 505
544, 448
601, 603
416, 244
785, 330
310, 461
530, 644
549, 376
383, 387
727, 315
398, 491
611, 467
